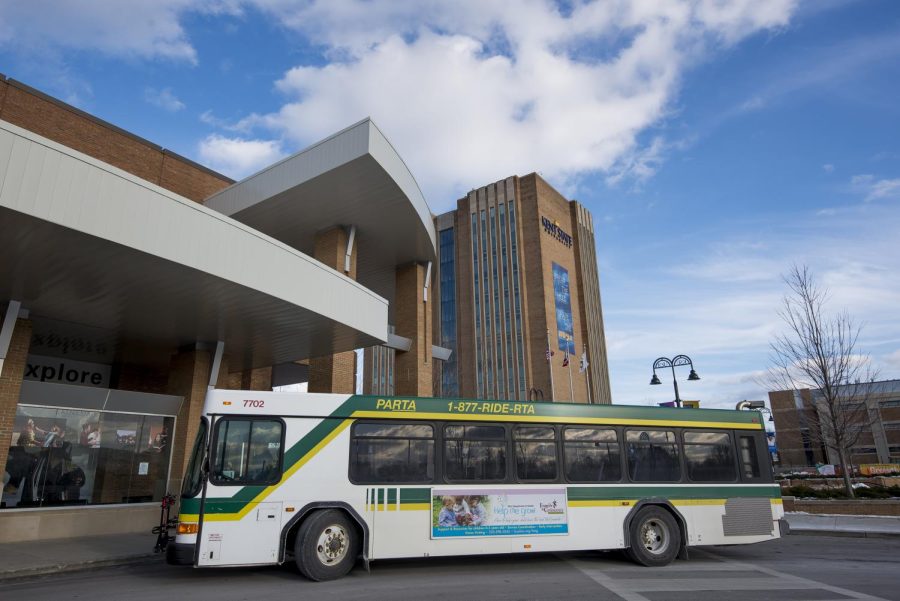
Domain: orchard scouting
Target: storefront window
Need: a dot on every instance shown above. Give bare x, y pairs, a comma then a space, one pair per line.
80, 457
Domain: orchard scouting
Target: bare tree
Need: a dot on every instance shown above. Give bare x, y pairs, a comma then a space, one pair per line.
819, 351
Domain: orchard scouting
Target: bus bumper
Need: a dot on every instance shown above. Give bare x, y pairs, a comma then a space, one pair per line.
783, 527
180, 554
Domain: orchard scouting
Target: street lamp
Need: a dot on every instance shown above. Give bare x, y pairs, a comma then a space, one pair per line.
677, 361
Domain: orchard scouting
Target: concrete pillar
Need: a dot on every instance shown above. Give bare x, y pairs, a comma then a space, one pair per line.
11, 383
334, 373
413, 369
188, 378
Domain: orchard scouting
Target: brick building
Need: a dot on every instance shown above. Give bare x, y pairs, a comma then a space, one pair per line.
795, 417
516, 274
133, 280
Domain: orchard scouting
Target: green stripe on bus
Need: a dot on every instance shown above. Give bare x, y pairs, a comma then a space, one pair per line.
610, 493
415, 495
509, 410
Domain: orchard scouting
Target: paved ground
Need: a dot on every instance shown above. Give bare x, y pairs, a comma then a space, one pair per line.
802, 568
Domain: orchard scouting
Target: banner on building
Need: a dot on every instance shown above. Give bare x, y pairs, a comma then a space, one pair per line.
497, 512
878, 469
564, 327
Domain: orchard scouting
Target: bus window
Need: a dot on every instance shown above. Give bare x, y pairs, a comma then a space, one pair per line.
392, 453
535, 452
653, 456
592, 455
247, 452
475, 453
192, 482
749, 458
709, 457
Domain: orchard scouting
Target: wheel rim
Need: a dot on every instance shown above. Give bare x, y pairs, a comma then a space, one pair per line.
332, 545
654, 536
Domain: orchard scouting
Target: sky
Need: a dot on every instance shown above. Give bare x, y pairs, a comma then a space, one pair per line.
717, 143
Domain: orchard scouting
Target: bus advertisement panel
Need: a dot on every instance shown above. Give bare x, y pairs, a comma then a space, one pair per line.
497, 512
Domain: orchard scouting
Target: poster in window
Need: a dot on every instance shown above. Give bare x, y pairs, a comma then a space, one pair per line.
562, 298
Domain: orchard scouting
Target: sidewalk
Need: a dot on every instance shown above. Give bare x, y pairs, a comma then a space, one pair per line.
843, 525
35, 558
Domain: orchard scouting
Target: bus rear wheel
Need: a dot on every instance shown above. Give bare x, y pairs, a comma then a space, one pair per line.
326, 546
654, 536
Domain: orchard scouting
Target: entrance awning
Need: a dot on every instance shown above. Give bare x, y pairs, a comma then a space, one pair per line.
353, 178
84, 242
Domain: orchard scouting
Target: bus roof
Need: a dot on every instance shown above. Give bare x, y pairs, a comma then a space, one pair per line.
337, 406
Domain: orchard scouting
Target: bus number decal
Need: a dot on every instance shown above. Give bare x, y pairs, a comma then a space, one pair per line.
254, 403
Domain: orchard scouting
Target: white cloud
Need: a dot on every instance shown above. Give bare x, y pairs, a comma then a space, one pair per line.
238, 157
828, 168
875, 189
471, 91
164, 99
138, 28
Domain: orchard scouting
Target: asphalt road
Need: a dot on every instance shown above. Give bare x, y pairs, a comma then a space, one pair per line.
802, 568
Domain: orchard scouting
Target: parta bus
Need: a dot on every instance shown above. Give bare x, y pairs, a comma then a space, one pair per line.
322, 479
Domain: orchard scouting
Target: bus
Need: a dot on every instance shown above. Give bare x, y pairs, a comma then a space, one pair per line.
324, 480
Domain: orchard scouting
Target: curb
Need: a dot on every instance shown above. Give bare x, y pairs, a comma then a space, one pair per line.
843, 533
66, 568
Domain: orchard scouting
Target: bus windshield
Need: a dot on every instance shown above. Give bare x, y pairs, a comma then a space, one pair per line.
192, 477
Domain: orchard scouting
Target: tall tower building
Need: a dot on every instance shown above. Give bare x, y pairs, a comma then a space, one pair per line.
517, 279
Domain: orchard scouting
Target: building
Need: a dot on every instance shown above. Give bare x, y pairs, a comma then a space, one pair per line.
796, 417
132, 280
516, 276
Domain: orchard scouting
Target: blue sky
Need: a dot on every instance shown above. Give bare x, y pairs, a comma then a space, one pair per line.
716, 143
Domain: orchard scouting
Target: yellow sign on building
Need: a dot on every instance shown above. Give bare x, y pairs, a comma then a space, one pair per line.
691, 404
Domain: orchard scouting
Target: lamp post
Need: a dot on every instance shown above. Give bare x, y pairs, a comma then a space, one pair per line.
676, 361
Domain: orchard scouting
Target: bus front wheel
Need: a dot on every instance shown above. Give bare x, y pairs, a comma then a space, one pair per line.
654, 537
326, 546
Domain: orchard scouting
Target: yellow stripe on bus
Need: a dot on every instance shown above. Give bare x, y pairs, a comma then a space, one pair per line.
615, 421
684, 502
415, 506
230, 517
602, 503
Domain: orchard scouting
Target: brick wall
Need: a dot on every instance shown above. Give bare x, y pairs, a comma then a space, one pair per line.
32, 110
541, 250
334, 373
412, 372
11, 383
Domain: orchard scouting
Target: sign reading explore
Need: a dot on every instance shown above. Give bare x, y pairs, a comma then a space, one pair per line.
66, 371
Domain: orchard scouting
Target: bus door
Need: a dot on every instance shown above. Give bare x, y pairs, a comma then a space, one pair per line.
239, 524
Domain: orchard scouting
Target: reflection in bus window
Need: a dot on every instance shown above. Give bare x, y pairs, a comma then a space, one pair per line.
392, 453
749, 458
535, 452
475, 453
247, 452
592, 455
709, 457
652, 456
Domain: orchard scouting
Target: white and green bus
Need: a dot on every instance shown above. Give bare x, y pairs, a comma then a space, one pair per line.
323, 479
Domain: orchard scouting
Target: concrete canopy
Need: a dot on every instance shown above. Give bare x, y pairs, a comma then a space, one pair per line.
88, 243
353, 178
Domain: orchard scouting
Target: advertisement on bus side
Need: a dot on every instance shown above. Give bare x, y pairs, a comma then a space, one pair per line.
478, 513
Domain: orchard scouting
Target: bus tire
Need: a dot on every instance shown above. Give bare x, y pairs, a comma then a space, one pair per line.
654, 537
326, 546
